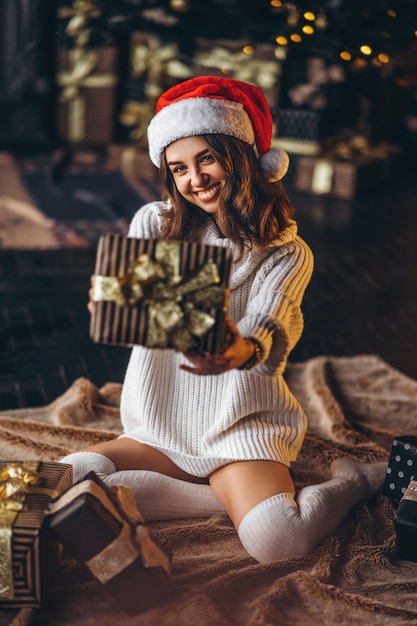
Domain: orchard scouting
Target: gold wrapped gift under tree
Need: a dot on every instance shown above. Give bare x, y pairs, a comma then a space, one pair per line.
87, 80
160, 293
86, 76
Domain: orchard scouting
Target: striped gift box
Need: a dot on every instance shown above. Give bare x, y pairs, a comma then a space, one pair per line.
160, 294
26, 577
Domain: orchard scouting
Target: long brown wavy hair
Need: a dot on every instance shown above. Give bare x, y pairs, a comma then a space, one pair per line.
252, 210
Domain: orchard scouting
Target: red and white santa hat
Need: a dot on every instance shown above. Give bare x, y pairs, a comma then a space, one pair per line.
209, 105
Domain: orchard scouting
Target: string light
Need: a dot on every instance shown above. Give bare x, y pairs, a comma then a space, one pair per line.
248, 49
359, 62
308, 30
383, 58
179, 5
281, 40
318, 21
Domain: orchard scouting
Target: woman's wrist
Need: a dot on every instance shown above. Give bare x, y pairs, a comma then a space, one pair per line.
255, 357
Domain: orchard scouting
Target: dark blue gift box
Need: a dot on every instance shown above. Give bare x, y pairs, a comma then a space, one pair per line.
402, 466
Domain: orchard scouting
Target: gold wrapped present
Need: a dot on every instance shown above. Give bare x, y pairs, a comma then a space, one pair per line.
160, 293
259, 64
345, 174
87, 79
29, 554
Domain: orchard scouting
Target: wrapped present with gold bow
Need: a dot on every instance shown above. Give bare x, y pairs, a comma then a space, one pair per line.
87, 82
102, 528
347, 168
259, 64
29, 553
160, 294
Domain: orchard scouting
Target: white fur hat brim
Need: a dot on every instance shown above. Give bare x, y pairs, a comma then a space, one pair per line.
197, 116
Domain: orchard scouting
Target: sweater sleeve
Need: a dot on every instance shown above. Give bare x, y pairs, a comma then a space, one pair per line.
273, 315
146, 221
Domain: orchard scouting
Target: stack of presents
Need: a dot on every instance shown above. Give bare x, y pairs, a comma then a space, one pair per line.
43, 516
343, 127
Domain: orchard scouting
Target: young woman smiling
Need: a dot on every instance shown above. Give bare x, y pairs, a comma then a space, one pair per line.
202, 433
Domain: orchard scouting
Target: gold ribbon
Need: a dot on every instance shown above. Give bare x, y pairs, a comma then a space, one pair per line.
156, 63
242, 64
134, 538
80, 13
15, 482
82, 65
174, 317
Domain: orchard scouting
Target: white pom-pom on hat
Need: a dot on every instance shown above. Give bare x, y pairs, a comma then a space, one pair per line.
275, 163
209, 105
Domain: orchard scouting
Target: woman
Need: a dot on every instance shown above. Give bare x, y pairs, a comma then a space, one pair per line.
218, 433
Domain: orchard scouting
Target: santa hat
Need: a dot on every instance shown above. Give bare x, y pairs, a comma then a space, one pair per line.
209, 105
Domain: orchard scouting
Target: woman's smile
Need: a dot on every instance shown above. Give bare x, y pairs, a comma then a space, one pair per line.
197, 174
208, 194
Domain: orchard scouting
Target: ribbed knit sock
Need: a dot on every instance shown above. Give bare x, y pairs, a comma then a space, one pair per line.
283, 527
84, 462
158, 497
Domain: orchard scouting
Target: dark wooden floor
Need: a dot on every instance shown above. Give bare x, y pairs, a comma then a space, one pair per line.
362, 298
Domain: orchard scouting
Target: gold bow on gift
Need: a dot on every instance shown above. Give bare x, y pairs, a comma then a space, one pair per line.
83, 64
174, 319
242, 64
80, 14
15, 480
80, 75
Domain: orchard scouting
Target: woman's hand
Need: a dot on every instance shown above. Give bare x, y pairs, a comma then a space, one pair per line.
238, 351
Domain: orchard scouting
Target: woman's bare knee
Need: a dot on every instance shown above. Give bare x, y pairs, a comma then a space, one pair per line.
242, 485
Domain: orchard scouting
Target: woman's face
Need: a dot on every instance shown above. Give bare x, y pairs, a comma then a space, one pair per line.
197, 175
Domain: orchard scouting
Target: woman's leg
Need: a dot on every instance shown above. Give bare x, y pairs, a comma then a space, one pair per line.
162, 490
275, 525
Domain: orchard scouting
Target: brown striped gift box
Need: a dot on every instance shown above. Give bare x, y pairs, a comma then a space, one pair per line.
29, 553
160, 294
115, 545
87, 80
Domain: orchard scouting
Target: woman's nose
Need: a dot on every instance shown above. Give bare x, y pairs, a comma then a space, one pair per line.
197, 177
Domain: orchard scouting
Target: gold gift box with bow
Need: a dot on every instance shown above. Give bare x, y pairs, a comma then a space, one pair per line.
160, 294
29, 554
87, 80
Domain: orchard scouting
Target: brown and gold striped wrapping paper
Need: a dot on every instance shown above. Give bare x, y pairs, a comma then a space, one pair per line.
128, 325
35, 551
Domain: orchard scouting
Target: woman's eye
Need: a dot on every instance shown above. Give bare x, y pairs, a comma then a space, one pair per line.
178, 169
207, 157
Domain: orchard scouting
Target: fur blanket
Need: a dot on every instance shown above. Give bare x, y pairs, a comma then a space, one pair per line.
355, 406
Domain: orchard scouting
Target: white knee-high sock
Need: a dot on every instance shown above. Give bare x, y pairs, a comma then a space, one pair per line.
161, 497
84, 462
282, 527
158, 497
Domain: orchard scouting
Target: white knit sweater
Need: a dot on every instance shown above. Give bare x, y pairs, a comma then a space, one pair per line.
204, 422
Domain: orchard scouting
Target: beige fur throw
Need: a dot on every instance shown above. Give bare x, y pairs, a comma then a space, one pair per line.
355, 407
